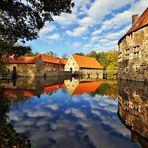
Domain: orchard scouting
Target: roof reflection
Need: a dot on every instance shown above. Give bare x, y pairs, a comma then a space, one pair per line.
35, 87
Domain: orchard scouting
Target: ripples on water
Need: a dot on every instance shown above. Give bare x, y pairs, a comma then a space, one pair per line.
73, 113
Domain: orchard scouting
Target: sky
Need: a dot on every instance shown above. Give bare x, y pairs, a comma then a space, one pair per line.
92, 25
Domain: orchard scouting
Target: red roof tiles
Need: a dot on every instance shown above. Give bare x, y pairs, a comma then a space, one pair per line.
22, 60
87, 62
63, 61
50, 59
33, 59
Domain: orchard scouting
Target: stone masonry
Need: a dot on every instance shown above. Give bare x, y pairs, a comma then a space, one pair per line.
133, 54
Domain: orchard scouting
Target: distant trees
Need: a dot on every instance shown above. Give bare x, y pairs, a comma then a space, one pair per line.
79, 53
65, 55
21, 20
51, 53
109, 61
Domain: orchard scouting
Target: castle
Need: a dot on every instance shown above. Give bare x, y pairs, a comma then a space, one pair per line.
133, 50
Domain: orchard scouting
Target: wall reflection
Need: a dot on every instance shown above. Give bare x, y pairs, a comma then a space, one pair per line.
27, 87
133, 109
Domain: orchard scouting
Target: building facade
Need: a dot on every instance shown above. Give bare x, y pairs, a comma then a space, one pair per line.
40, 65
87, 66
133, 50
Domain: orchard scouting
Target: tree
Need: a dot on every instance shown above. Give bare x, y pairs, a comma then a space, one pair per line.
65, 56
79, 53
21, 20
51, 53
93, 53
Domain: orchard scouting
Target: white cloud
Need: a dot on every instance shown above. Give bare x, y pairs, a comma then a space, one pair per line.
65, 19
118, 20
54, 37
76, 44
77, 32
121, 18
100, 9
117, 35
95, 39
48, 27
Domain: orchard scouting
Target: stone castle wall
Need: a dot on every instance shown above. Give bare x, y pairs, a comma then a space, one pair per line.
133, 56
133, 106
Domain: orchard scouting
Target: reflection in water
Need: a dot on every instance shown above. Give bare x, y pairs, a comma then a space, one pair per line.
133, 109
8, 136
76, 86
65, 113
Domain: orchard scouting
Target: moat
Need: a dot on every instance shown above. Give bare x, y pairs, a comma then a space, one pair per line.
73, 113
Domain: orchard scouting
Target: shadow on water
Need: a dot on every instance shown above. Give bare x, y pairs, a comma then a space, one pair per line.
38, 112
133, 109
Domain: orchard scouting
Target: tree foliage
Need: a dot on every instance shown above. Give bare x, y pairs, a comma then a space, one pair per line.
21, 20
51, 53
106, 58
79, 53
109, 61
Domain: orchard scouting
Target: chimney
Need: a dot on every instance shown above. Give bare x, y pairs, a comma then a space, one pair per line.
134, 18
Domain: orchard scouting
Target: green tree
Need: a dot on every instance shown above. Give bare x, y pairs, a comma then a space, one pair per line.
65, 56
79, 53
102, 59
22, 20
51, 53
93, 53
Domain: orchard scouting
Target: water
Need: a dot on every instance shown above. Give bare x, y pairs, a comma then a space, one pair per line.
73, 113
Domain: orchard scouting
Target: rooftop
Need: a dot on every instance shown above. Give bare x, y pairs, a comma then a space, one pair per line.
24, 60
140, 23
86, 62
33, 59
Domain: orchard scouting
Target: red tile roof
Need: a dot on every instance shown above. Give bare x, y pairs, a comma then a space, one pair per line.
87, 62
140, 23
63, 61
50, 59
22, 60
33, 59
86, 87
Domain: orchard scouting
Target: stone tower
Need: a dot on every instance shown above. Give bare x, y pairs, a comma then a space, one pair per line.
133, 50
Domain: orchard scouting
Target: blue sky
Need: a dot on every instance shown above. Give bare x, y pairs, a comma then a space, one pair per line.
92, 25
